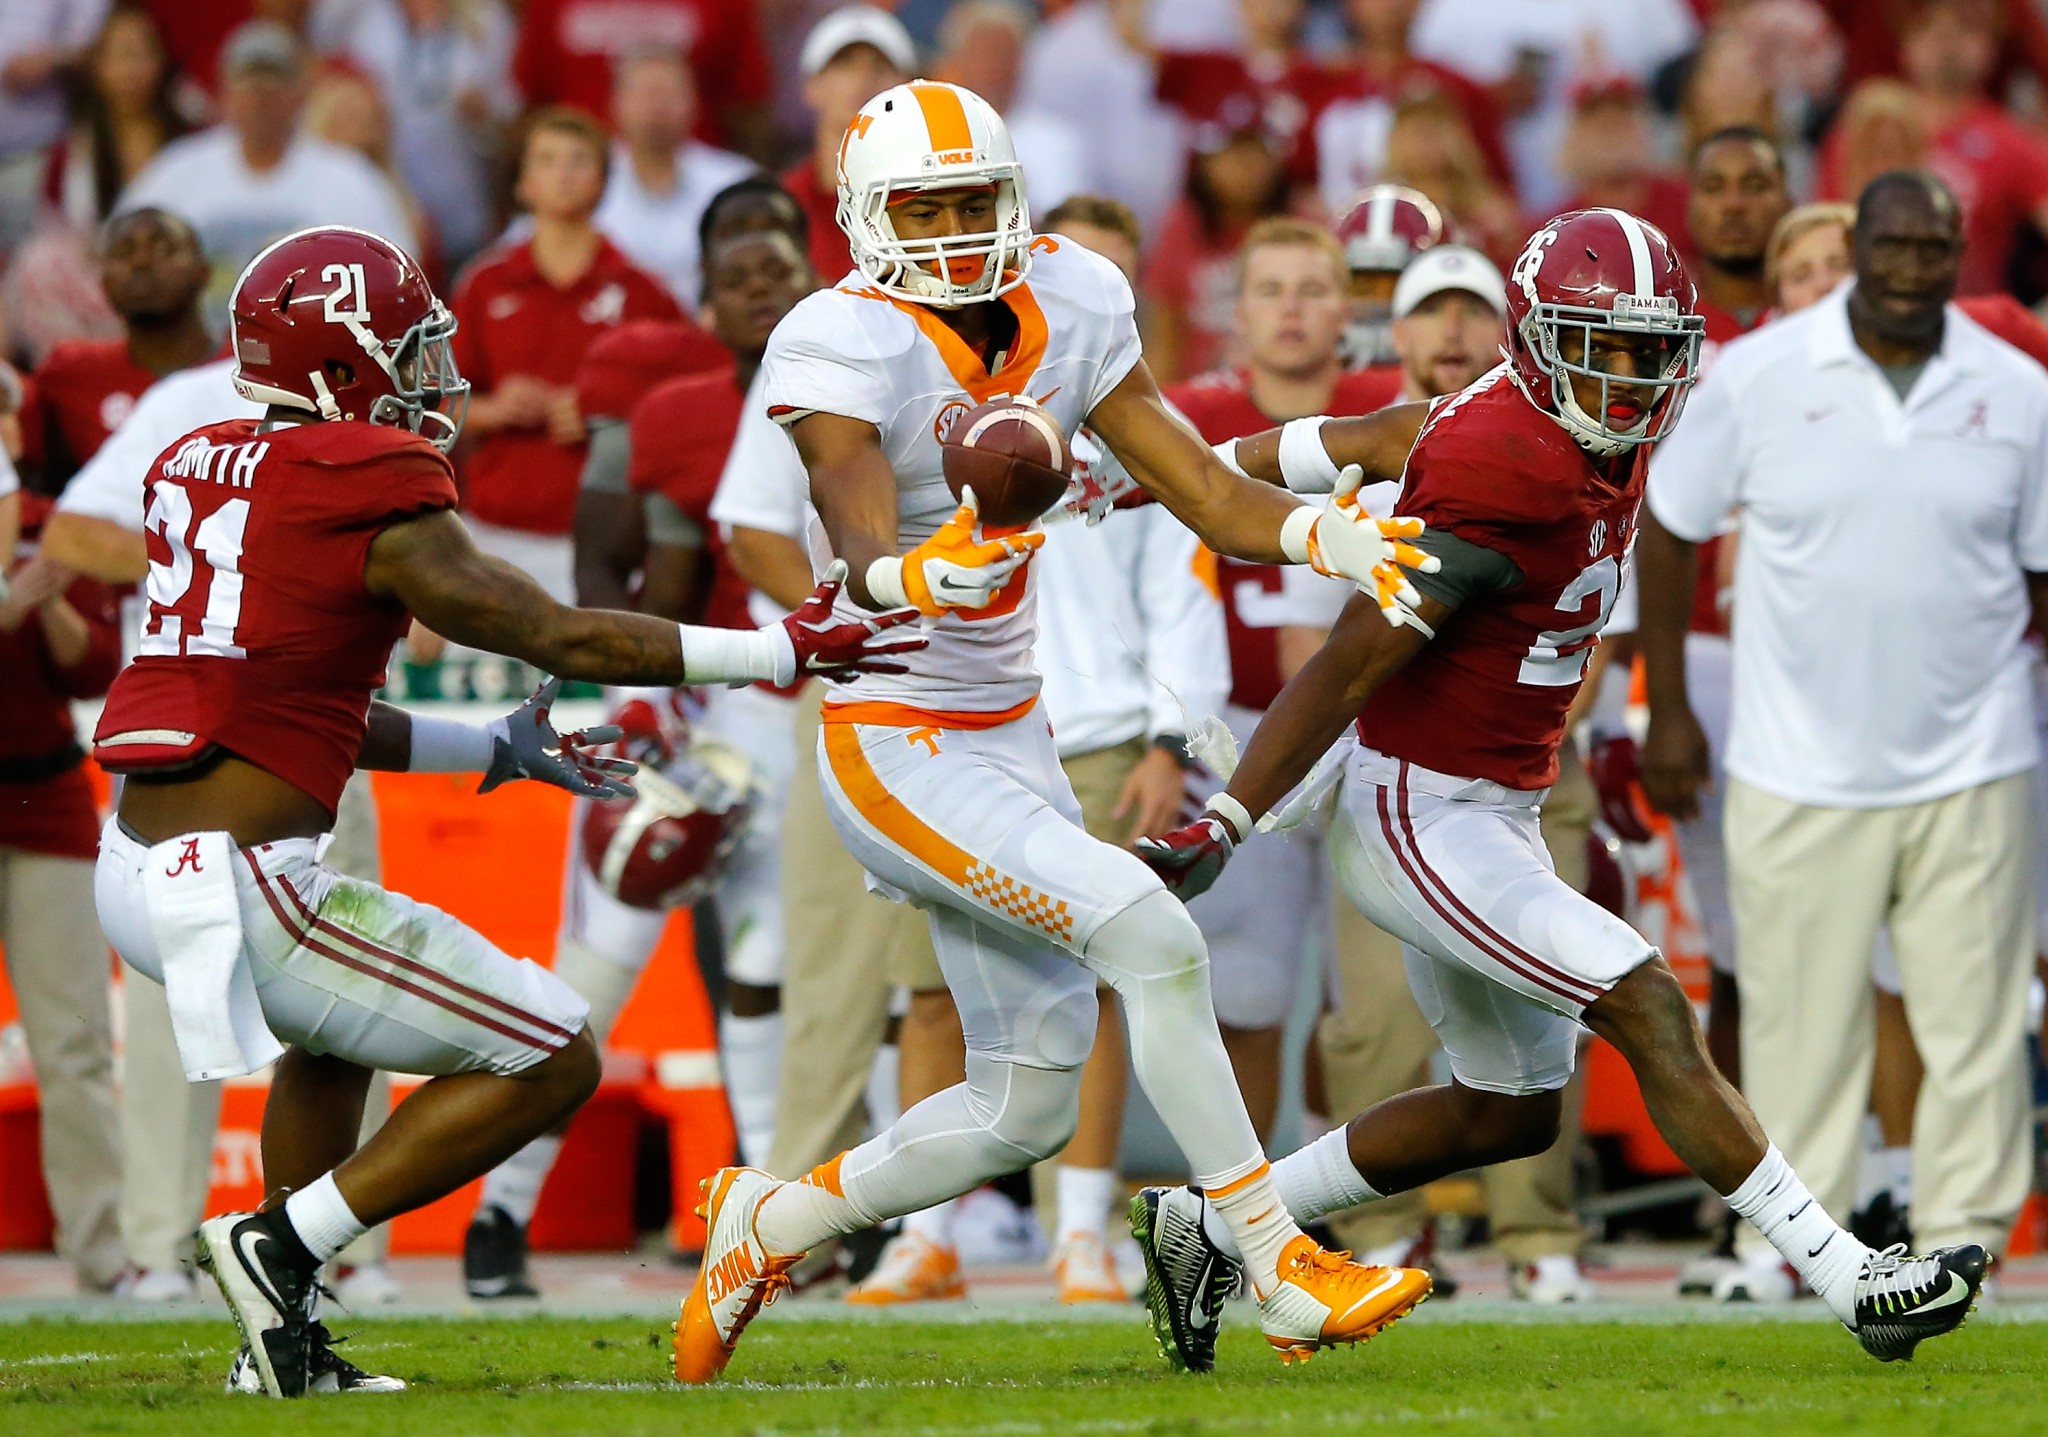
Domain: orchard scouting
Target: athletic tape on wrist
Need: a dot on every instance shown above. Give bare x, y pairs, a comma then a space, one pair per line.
1305, 464
445, 745
732, 656
1294, 532
885, 583
1226, 452
1233, 813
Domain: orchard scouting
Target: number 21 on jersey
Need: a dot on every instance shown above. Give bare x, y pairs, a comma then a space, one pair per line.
195, 596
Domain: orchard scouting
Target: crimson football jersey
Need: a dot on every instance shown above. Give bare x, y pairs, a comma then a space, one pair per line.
681, 433
262, 638
1487, 697
74, 400
622, 365
1220, 407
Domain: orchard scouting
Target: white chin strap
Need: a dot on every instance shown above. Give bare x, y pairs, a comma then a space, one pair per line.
1592, 436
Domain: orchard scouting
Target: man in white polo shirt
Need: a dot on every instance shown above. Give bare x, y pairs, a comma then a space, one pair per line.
1889, 457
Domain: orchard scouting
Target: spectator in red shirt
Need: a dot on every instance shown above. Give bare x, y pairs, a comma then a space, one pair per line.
527, 312
67, 648
567, 49
1996, 166
850, 56
1351, 133
1610, 158
153, 273
1237, 176
1290, 87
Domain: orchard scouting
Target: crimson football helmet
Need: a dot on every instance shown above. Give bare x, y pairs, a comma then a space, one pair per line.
1603, 280
341, 323
668, 845
1388, 225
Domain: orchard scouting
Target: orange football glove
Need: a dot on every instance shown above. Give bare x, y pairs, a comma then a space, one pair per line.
955, 570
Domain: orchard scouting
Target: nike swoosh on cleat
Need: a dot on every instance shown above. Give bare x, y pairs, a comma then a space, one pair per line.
1381, 1286
1197, 1318
252, 1263
1958, 1291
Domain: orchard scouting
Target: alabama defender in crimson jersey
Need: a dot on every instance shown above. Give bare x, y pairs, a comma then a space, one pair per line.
1529, 481
286, 555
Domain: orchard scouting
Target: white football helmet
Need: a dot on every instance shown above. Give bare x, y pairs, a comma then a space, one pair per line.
932, 136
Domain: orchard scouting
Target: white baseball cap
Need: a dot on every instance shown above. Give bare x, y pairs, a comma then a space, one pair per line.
1446, 267
857, 25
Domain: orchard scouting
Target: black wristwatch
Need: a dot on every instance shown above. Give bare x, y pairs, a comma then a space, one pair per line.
1177, 745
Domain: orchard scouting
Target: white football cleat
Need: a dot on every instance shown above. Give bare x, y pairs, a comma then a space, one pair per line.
327, 1372
1764, 1277
157, 1284
1550, 1281
1087, 1272
371, 1285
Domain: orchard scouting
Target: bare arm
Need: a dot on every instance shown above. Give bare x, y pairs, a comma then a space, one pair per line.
1313, 709
431, 566
675, 582
610, 538
1674, 758
854, 491
387, 743
98, 548
1378, 443
1231, 514
773, 563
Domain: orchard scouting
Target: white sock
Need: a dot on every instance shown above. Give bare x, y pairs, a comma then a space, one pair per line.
1259, 1223
750, 1049
934, 1224
1897, 1167
1800, 1229
1320, 1179
1312, 1181
322, 1218
515, 1184
1084, 1198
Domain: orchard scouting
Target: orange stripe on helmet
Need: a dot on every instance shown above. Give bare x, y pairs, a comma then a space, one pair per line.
945, 118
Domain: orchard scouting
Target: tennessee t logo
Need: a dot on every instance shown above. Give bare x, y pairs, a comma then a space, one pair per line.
188, 857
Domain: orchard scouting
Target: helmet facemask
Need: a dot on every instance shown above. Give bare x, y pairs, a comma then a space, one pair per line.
431, 397
943, 269
1674, 337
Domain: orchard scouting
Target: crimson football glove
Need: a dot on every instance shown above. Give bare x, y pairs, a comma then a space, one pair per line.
825, 645
525, 745
1617, 774
1190, 859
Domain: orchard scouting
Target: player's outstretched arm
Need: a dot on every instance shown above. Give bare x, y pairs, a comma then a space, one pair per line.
430, 565
1309, 715
853, 489
522, 744
1308, 455
1240, 516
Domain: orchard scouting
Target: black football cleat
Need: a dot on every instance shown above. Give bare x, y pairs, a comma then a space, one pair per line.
494, 1257
270, 1289
1187, 1277
1902, 1301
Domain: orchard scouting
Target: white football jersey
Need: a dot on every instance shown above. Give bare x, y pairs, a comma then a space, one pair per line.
854, 351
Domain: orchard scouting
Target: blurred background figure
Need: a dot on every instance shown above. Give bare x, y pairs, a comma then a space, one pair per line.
1430, 148
1236, 177
1384, 228
981, 46
39, 39
662, 178
528, 313
849, 57
1609, 157
257, 176
444, 69
569, 49
344, 108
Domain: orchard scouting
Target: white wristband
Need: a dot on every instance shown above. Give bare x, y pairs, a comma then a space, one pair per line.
1305, 464
1226, 453
737, 656
444, 745
1233, 813
885, 583
1294, 532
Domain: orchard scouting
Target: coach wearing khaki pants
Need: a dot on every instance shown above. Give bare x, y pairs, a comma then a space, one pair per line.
1887, 459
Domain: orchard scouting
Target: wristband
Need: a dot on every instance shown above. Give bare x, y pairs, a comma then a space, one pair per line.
1234, 815
736, 656
445, 745
885, 583
1175, 744
1226, 454
1294, 530
1305, 465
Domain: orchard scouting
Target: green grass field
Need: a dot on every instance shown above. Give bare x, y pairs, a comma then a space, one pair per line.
551, 1376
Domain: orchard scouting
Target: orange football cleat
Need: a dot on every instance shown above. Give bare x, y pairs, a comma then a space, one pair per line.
1325, 1300
914, 1269
1087, 1272
737, 1278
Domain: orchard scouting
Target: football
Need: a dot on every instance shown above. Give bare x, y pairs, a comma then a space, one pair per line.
1014, 455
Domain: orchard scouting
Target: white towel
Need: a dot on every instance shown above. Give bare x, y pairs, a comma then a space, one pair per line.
188, 886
